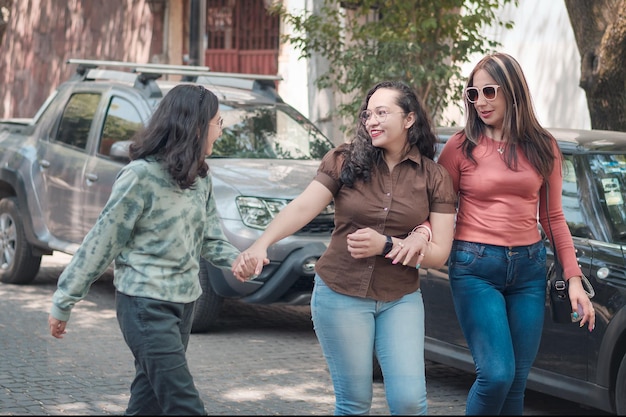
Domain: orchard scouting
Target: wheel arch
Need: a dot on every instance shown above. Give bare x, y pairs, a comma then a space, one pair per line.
12, 185
612, 351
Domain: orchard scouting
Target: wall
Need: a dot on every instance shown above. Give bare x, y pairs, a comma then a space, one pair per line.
542, 40
43, 34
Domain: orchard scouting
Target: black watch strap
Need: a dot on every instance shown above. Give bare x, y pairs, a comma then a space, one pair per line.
388, 245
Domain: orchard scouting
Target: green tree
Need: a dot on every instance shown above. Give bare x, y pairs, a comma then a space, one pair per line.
423, 43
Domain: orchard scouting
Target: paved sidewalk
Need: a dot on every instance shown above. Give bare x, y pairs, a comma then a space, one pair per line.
260, 361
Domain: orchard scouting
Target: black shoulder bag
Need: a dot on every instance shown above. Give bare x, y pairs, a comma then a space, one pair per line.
560, 304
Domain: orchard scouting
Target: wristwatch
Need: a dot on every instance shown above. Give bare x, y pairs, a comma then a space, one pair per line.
388, 245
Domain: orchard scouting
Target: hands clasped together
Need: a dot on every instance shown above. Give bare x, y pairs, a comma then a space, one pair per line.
249, 263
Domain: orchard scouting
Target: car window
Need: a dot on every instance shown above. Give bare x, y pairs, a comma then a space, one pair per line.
76, 120
121, 122
570, 200
268, 131
609, 173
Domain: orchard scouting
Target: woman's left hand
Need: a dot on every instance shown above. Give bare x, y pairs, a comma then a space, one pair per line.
413, 247
578, 296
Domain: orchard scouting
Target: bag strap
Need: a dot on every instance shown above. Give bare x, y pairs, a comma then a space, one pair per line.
556, 257
586, 284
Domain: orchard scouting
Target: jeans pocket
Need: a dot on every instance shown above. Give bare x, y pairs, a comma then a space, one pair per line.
462, 258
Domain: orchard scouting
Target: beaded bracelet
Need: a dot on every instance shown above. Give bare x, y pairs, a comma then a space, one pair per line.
429, 232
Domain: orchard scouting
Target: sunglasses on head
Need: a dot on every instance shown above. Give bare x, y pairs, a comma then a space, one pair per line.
490, 92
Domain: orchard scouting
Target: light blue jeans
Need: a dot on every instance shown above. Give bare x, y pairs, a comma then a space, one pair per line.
350, 329
499, 294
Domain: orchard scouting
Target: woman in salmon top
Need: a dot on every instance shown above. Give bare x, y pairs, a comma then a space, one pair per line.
500, 164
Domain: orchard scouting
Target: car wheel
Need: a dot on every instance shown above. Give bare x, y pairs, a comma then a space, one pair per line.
620, 389
208, 306
18, 265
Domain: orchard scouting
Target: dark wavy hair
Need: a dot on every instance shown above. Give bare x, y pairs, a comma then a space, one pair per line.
177, 133
361, 157
520, 126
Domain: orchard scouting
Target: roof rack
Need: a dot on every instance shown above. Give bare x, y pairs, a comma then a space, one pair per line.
147, 73
186, 70
97, 63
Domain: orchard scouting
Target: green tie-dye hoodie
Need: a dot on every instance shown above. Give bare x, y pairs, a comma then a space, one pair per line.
155, 232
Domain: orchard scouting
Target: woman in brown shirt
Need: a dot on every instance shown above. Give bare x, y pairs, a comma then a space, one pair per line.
366, 297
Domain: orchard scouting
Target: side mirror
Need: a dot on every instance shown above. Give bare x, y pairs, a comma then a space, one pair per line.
119, 151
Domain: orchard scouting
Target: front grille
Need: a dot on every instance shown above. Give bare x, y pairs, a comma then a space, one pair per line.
322, 224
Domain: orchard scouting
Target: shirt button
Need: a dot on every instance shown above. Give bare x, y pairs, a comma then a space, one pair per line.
385, 209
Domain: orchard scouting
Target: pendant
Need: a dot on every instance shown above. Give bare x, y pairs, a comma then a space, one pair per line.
501, 150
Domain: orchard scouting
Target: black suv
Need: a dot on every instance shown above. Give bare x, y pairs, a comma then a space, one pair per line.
573, 363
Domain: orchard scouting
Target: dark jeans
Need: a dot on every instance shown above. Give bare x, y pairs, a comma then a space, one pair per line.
499, 294
157, 333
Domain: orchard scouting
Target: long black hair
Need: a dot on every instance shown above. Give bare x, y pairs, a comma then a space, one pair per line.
361, 156
177, 133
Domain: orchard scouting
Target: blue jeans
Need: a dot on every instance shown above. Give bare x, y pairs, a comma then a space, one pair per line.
350, 329
499, 294
157, 333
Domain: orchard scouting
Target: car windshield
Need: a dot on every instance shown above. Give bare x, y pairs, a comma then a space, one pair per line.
268, 131
609, 175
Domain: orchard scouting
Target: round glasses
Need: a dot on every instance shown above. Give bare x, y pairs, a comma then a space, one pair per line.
220, 123
490, 92
381, 115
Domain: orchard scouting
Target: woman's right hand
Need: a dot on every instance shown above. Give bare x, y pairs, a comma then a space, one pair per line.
57, 327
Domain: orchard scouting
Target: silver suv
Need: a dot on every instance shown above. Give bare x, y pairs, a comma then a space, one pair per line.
58, 169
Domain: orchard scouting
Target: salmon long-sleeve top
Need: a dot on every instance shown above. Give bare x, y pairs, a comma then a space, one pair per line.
499, 206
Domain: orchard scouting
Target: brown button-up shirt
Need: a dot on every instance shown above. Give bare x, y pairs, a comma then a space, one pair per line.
392, 203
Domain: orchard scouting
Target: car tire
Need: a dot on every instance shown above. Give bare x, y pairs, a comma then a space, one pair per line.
208, 307
620, 389
18, 265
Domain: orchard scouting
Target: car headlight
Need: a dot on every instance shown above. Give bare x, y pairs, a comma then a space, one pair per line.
258, 212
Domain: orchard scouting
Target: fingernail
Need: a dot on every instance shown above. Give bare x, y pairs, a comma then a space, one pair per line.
418, 266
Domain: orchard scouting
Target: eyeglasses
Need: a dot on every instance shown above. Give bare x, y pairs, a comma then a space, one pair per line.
381, 115
490, 92
220, 123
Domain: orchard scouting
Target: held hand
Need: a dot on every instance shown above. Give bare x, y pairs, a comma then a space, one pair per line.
579, 297
364, 243
57, 327
249, 264
415, 246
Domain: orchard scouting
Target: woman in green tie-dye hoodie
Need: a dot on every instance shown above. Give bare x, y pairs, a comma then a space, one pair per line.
160, 219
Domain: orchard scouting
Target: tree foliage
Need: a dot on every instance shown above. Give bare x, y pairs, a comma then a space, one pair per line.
423, 43
600, 31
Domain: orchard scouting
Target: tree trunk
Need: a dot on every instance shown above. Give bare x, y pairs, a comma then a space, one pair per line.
600, 31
